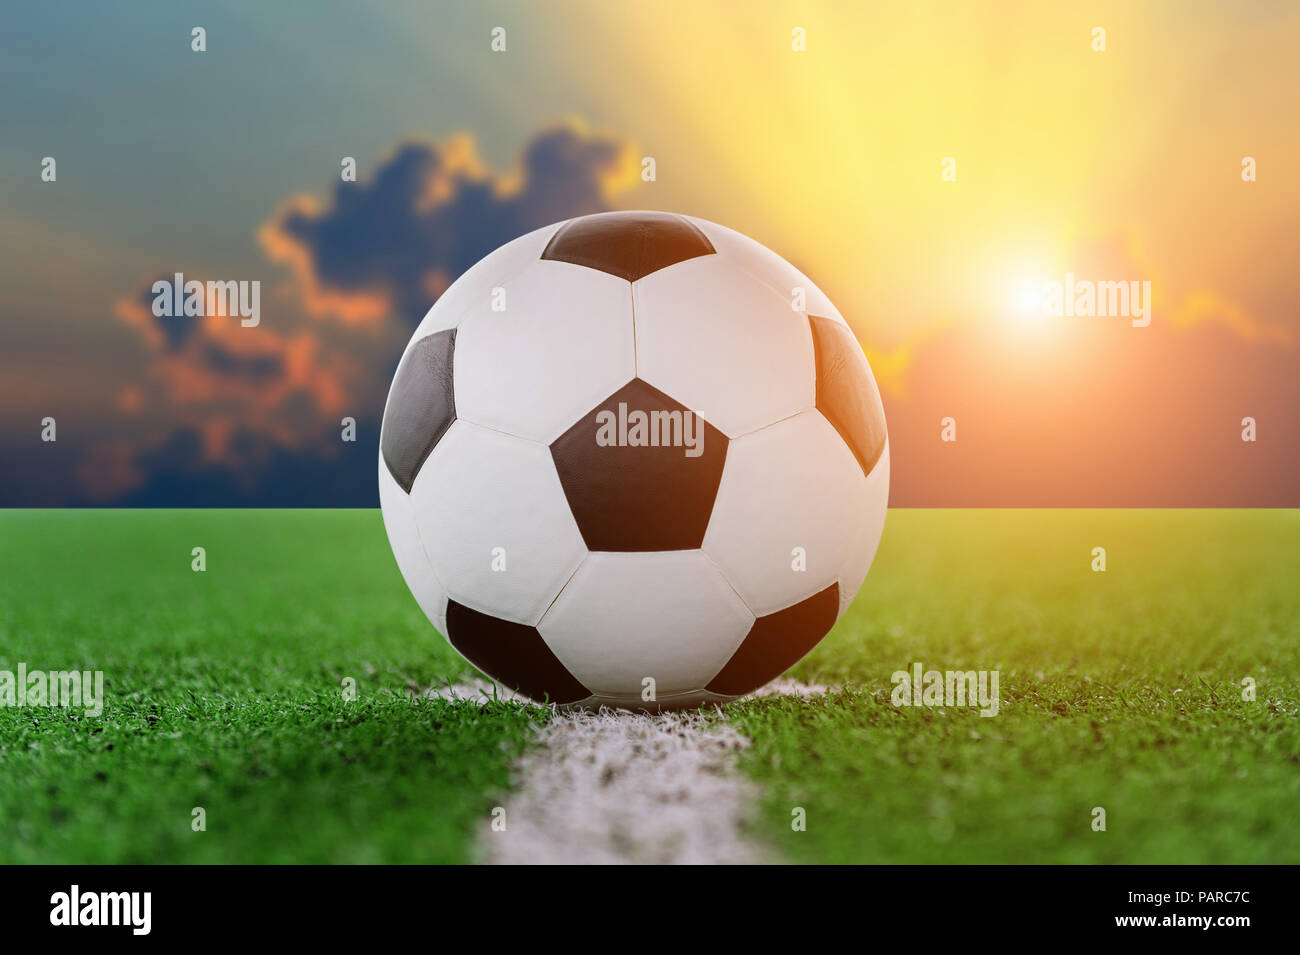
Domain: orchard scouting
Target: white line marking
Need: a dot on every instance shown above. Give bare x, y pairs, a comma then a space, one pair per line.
620, 787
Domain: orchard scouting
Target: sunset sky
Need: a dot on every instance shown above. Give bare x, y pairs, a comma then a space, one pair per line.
1123, 164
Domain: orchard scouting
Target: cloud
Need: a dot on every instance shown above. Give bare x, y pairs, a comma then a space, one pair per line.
1204, 307
136, 310
210, 358
225, 414
1121, 256
392, 244
1094, 413
216, 396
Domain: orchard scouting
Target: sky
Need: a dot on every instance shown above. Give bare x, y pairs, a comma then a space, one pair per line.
933, 167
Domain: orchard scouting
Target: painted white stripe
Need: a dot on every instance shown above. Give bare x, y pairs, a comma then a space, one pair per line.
620, 787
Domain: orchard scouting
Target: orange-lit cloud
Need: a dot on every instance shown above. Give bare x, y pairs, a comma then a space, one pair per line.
239, 393
1204, 307
216, 358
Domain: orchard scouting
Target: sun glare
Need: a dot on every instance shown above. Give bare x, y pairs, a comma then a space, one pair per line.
1029, 299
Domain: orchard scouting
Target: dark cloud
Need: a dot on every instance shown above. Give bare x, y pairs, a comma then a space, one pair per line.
253, 368
165, 333
392, 243
176, 329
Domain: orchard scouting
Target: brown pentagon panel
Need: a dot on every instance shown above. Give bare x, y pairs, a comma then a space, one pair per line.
777, 642
513, 654
421, 406
846, 391
630, 245
628, 487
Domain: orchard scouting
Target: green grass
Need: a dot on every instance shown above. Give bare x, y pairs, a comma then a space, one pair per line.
225, 692
1119, 689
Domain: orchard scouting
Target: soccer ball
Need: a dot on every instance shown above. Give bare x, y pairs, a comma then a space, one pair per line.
634, 459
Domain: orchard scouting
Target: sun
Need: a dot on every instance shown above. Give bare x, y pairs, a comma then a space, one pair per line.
1026, 304
1029, 299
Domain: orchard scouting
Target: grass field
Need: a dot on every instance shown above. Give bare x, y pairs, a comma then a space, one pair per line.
1119, 689
225, 691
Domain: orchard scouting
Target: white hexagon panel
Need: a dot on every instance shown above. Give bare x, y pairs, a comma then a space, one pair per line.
723, 344
496, 525
666, 616
782, 524
565, 334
